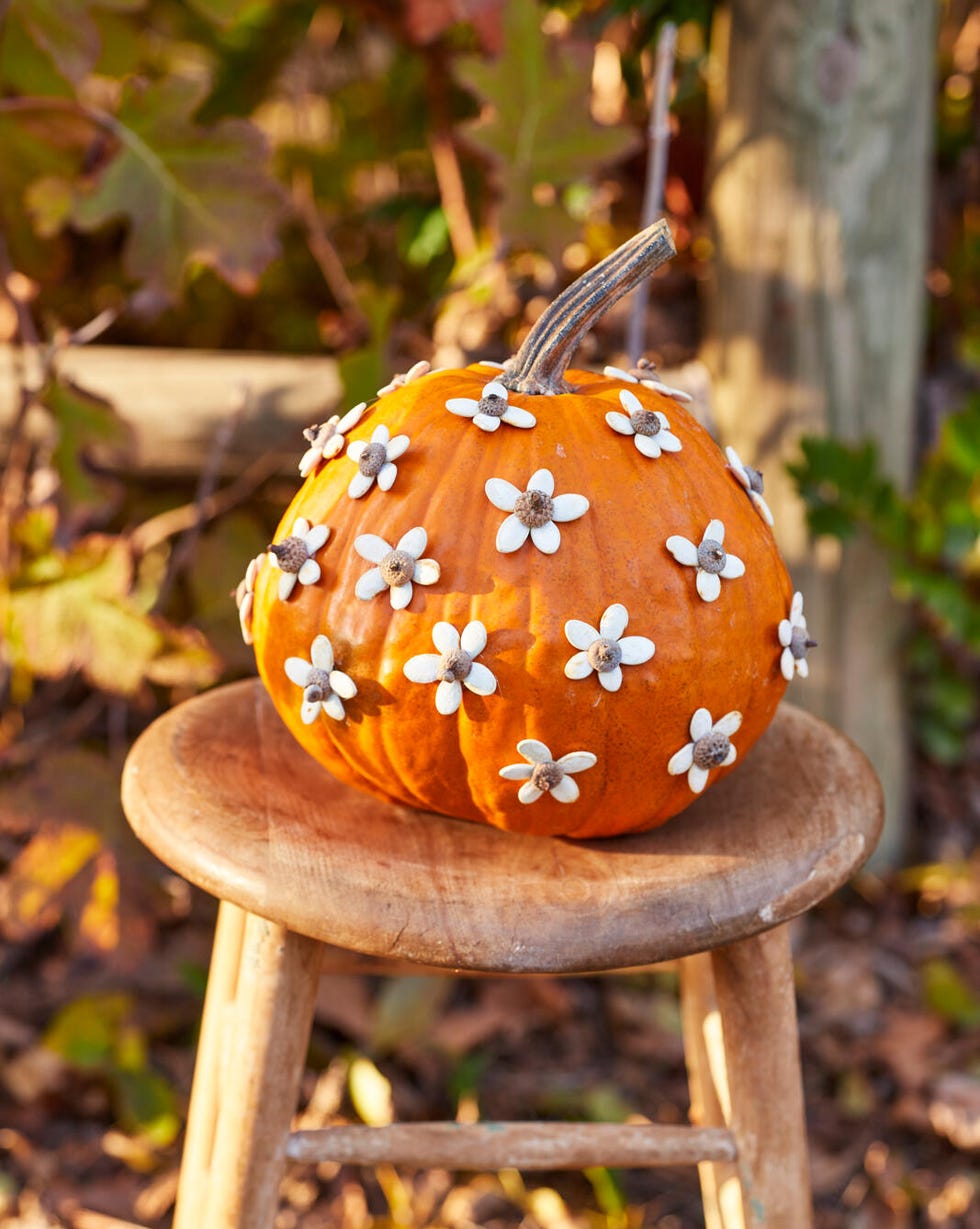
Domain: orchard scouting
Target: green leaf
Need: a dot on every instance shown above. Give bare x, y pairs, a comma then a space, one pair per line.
538, 136
189, 193
960, 440
366, 370
947, 993
406, 1010
146, 1103
66, 30
86, 424
226, 13
85, 1033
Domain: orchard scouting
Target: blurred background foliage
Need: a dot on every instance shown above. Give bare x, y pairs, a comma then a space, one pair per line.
381, 183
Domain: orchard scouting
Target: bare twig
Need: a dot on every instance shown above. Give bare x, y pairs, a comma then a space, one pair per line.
90, 332
208, 481
178, 520
658, 142
325, 254
442, 147
75, 723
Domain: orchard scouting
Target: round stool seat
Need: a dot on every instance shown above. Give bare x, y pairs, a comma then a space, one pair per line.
219, 790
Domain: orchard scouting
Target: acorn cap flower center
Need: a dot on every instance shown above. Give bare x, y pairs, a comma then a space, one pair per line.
492, 405
455, 665
291, 553
712, 750
317, 686
711, 556
397, 567
800, 644
372, 460
547, 775
755, 479
604, 655
534, 508
645, 422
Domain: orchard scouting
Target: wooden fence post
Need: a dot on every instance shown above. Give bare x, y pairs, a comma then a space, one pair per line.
818, 205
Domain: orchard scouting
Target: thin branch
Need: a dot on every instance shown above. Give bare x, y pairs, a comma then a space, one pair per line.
658, 142
207, 482
177, 520
325, 254
445, 160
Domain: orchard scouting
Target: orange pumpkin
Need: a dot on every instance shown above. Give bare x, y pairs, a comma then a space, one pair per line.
552, 611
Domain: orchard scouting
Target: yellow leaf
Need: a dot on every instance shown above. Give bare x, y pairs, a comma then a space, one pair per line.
370, 1093
98, 927
29, 890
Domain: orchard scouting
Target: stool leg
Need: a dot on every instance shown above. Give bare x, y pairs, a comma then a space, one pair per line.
743, 1055
258, 1074
203, 1112
705, 1057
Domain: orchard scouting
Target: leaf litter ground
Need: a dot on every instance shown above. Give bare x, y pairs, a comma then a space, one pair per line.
97, 1035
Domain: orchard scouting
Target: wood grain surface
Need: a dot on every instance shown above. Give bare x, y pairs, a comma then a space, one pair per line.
222, 794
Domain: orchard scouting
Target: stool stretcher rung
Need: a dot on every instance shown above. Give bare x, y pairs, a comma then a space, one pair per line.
513, 1145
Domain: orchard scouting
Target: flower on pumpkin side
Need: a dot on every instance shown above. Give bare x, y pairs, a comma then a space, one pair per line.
605, 650
795, 641
326, 439
491, 409
712, 562
649, 428
751, 480
535, 512
245, 597
710, 747
397, 567
454, 666
646, 373
324, 688
415, 372
294, 555
543, 774
375, 458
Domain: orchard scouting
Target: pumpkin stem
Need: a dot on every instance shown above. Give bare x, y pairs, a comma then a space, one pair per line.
539, 366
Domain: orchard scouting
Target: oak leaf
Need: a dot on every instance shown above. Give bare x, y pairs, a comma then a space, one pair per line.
536, 131
188, 192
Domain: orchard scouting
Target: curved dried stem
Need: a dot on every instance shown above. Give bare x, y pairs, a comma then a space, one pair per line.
539, 366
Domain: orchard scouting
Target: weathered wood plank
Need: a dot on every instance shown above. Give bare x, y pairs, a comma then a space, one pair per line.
817, 202
175, 400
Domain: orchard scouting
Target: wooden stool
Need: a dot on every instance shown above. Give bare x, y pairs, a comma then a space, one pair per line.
218, 789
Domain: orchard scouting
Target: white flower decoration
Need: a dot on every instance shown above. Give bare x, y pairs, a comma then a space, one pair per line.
795, 641
294, 555
605, 650
375, 459
710, 747
323, 687
649, 428
491, 410
646, 373
542, 774
327, 438
245, 597
453, 667
397, 566
419, 369
712, 563
751, 479
534, 512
